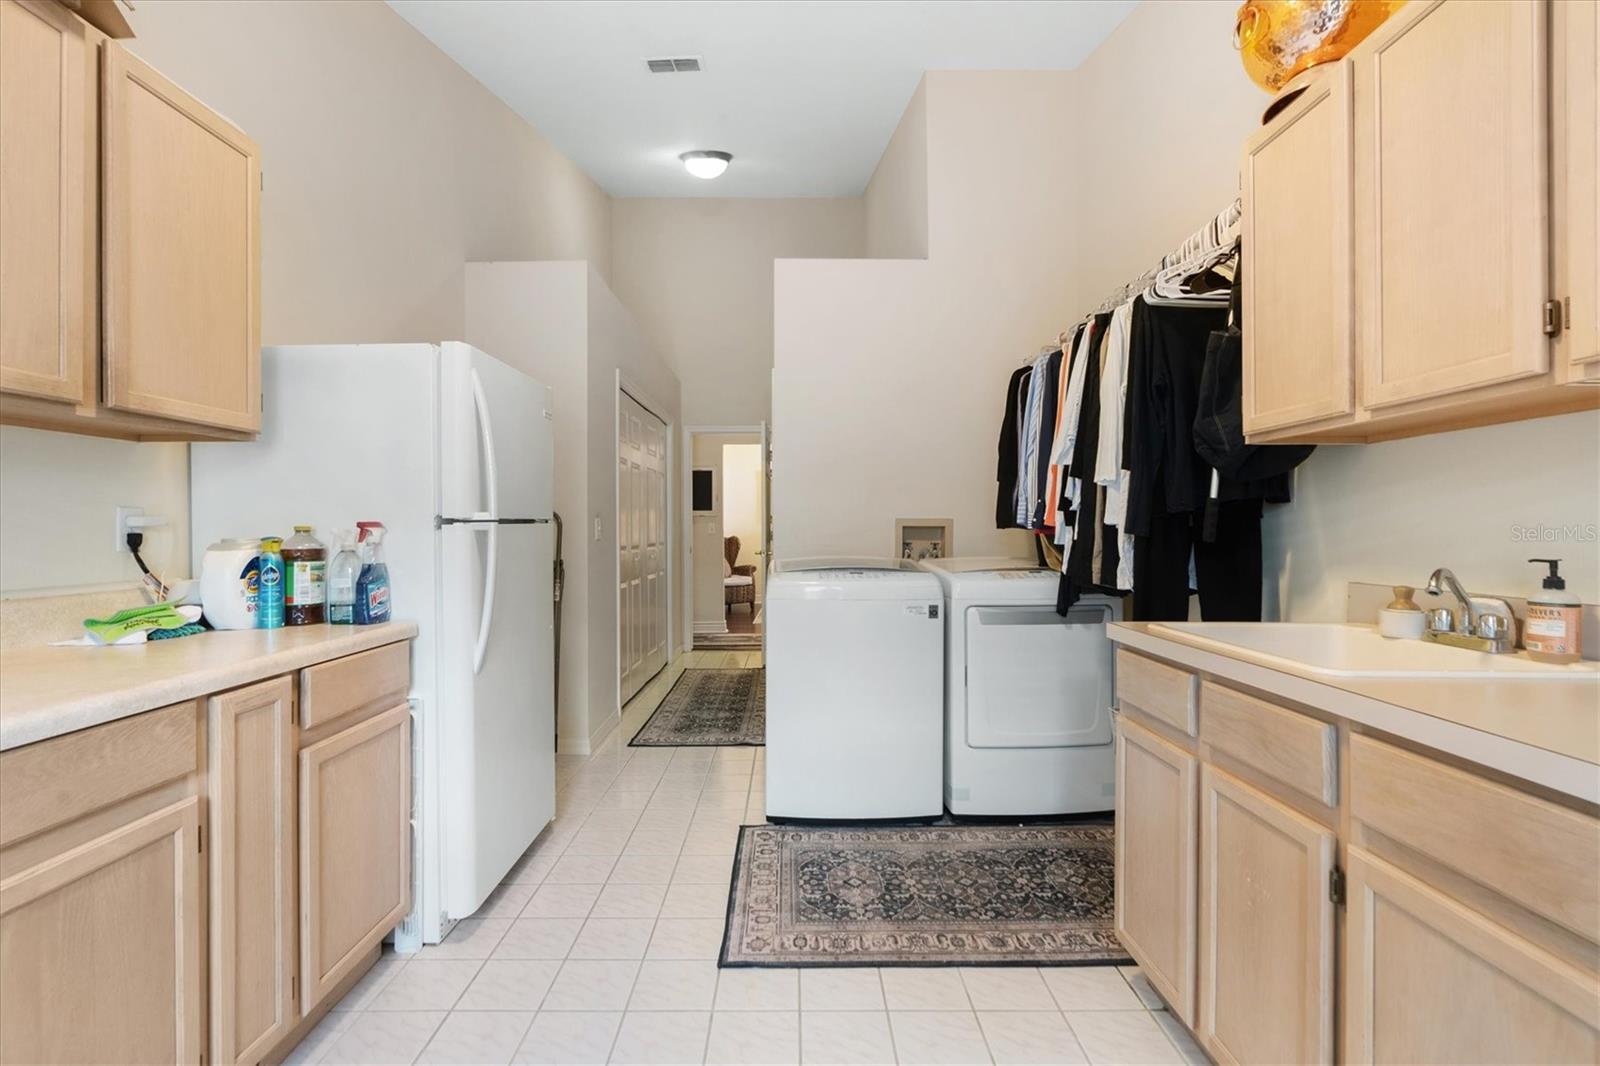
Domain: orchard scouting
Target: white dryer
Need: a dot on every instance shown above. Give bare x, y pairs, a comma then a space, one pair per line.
1027, 692
855, 691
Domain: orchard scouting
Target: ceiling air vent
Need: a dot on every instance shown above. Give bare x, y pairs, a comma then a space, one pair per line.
674, 65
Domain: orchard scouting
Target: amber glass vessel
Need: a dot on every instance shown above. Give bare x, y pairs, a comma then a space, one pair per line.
1278, 39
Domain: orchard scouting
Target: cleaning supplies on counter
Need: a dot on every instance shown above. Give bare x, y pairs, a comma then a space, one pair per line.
372, 585
1554, 629
137, 625
305, 562
230, 583
1402, 619
269, 601
342, 575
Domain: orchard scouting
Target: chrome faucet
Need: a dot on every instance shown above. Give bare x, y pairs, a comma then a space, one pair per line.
1492, 631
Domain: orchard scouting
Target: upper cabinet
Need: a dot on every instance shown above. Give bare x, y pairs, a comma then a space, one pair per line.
1443, 258
1454, 208
1576, 82
46, 200
181, 190
1297, 189
129, 243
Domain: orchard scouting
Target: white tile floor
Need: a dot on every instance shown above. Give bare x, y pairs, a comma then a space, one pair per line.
601, 946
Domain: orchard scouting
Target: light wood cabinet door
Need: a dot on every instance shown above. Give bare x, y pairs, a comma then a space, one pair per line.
1576, 151
100, 948
1299, 348
253, 885
45, 200
355, 847
181, 252
1427, 980
1155, 861
1266, 927
1452, 102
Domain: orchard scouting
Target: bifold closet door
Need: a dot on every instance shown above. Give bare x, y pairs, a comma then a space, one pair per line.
642, 600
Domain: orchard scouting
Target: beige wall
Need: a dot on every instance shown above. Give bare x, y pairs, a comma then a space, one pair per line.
1045, 193
560, 323
896, 199
890, 374
531, 315
387, 167
698, 275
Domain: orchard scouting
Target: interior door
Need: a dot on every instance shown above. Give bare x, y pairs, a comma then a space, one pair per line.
642, 590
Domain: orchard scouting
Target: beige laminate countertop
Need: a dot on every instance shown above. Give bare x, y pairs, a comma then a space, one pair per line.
45, 691
1544, 731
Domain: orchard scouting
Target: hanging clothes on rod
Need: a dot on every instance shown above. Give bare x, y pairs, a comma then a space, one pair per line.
1098, 443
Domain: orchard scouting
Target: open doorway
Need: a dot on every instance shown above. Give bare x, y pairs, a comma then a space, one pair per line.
728, 506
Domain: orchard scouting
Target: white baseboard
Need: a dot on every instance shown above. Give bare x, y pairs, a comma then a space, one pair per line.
719, 626
598, 736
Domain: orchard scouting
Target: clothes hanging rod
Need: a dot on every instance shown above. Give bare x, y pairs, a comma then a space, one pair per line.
1221, 229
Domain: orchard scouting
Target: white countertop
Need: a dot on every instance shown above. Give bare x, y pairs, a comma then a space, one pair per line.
1543, 731
46, 691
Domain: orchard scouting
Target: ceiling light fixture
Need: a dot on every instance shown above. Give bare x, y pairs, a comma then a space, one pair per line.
706, 165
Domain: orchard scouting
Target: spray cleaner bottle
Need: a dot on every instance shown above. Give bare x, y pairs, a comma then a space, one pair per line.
372, 586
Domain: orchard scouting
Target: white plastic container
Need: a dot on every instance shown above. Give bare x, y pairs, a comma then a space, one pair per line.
229, 582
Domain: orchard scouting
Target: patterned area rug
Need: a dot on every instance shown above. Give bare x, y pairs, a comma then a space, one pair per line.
728, 641
709, 707
925, 896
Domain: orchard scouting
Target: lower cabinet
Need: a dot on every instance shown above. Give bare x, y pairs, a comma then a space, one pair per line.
355, 846
194, 883
1266, 927
1155, 861
1468, 931
1429, 980
253, 918
100, 948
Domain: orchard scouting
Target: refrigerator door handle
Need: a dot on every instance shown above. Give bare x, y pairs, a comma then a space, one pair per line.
486, 619
480, 405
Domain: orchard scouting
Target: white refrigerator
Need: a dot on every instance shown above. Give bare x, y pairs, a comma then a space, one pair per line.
452, 450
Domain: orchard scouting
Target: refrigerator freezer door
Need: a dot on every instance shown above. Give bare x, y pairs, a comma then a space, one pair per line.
497, 723
496, 448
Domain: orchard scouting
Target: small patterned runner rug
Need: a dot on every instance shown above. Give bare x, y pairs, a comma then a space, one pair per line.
923, 896
728, 641
709, 707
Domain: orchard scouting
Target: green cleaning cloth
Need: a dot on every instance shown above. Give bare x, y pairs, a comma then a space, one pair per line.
156, 617
188, 629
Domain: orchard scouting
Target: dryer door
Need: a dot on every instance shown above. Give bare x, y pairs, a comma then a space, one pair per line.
1036, 679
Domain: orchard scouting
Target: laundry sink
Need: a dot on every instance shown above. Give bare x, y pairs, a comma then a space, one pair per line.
1358, 651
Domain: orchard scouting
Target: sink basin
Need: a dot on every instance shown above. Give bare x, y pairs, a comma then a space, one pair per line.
1357, 651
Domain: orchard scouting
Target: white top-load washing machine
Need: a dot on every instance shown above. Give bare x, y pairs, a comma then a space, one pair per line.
1027, 692
855, 690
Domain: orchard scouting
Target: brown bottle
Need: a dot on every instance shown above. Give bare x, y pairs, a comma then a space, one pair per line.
305, 560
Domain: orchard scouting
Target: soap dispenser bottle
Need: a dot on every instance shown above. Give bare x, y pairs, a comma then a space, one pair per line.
1553, 632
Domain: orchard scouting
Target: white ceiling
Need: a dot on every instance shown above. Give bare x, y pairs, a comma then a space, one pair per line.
805, 95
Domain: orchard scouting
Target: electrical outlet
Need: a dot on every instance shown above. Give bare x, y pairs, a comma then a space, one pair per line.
123, 514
